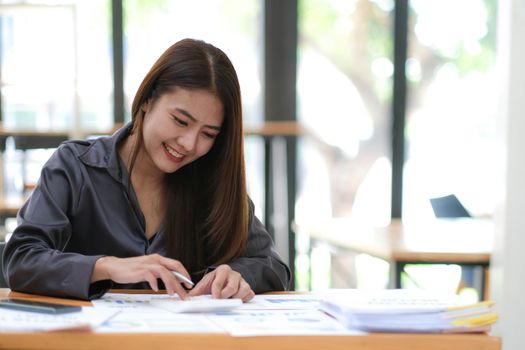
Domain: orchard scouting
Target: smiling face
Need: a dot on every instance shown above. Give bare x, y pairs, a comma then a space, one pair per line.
180, 127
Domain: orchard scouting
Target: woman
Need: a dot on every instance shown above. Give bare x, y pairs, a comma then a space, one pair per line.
164, 194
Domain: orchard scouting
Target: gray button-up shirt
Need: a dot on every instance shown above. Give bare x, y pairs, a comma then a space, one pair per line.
80, 211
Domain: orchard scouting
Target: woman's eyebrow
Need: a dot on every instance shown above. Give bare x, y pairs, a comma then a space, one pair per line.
188, 114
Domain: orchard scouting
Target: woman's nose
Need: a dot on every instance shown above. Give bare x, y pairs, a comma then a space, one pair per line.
188, 141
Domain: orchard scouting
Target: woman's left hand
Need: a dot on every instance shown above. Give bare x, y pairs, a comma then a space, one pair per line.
223, 283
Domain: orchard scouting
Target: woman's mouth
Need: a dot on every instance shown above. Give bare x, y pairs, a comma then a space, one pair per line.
172, 154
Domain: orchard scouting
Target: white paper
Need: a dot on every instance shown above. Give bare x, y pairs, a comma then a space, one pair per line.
243, 323
393, 301
201, 303
292, 314
404, 310
158, 321
282, 302
122, 301
23, 321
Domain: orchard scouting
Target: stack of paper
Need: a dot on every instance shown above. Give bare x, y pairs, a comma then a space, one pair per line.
401, 310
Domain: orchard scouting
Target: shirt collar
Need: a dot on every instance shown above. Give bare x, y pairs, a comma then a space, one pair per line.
103, 153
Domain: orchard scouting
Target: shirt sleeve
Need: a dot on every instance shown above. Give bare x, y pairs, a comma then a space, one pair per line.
34, 257
261, 266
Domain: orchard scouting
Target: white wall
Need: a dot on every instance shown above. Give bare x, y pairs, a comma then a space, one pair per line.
508, 262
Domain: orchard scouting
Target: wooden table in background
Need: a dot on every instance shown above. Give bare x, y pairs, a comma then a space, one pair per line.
464, 241
126, 341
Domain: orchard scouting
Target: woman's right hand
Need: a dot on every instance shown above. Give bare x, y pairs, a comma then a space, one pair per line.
145, 268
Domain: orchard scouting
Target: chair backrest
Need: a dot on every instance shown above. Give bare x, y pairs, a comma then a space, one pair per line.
3, 283
449, 207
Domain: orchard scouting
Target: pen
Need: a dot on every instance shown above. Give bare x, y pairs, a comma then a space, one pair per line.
183, 278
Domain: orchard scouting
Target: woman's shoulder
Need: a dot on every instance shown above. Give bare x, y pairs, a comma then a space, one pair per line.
75, 145
96, 148
67, 153
72, 149
99, 152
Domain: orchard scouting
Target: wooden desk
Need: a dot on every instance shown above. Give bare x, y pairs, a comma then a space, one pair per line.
449, 241
88, 340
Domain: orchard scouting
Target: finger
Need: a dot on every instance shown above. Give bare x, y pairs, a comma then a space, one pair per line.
173, 265
152, 281
245, 292
204, 285
248, 297
171, 283
221, 278
232, 286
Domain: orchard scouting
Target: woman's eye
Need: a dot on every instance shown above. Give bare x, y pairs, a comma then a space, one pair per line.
180, 121
210, 136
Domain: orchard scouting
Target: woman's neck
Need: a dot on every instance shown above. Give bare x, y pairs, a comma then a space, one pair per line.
144, 174
148, 185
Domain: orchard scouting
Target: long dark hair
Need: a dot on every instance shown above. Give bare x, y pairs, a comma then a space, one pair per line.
207, 205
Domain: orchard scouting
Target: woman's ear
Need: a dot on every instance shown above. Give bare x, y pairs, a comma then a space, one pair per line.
145, 106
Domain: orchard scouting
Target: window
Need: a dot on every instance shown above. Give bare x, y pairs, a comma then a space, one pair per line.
56, 64
344, 92
55, 77
451, 106
344, 87
152, 26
